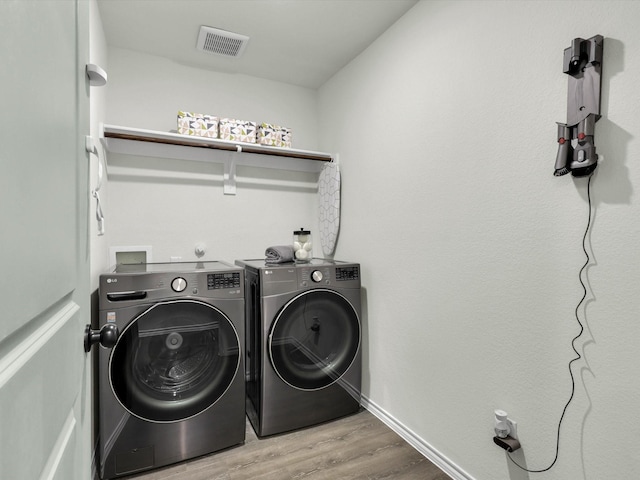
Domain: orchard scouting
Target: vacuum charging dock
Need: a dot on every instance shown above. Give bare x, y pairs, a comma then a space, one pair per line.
576, 149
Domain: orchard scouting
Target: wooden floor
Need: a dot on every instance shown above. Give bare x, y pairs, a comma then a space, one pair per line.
356, 447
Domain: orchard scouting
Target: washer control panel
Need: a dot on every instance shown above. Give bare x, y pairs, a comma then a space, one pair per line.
217, 281
153, 282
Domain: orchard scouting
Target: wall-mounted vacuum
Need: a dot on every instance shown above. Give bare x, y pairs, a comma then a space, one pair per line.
576, 149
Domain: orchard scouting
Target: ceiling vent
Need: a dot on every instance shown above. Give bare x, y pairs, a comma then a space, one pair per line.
221, 42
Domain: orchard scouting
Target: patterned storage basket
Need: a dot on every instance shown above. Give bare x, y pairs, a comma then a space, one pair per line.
197, 124
237, 130
274, 135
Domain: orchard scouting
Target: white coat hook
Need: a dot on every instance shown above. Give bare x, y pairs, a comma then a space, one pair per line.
91, 147
97, 76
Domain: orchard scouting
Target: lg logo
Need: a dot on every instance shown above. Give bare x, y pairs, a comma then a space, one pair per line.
112, 280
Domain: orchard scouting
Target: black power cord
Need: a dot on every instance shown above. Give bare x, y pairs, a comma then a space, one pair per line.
573, 346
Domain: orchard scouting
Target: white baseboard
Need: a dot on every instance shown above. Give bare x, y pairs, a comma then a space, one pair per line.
446, 465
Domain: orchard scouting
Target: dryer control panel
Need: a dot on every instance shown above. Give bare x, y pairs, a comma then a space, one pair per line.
347, 273
290, 277
316, 275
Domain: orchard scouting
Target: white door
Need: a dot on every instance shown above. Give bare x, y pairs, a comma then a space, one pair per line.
45, 417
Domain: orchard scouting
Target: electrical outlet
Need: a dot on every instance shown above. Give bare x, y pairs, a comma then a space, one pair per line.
504, 426
506, 431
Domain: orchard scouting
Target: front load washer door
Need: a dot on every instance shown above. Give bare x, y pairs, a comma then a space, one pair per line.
174, 360
314, 339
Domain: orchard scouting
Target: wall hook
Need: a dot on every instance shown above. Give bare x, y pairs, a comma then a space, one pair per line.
97, 75
576, 149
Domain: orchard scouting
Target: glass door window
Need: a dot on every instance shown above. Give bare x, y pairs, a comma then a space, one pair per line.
314, 339
174, 360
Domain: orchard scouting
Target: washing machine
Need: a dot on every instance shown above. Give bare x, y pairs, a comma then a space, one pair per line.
171, 379
303, 343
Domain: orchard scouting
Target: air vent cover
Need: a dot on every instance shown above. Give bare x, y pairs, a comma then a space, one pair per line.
221, 42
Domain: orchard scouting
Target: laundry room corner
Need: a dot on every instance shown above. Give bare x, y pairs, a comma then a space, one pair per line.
179, 210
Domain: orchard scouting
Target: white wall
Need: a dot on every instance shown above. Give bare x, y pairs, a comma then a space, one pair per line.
471, 248
173, 205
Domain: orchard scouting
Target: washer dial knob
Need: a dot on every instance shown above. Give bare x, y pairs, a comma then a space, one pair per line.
316, 276
178, 284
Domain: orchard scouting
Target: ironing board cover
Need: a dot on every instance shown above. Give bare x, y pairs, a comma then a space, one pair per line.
329, 206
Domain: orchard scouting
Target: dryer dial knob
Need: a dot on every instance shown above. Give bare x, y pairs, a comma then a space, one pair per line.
178, 284
316, 276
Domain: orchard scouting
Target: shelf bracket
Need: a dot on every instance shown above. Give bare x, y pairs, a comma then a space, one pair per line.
229, 178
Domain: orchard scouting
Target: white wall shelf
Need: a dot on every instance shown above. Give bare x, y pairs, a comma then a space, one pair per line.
150, 143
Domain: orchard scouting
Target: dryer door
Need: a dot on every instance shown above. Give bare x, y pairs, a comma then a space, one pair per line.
174, 360
314, 339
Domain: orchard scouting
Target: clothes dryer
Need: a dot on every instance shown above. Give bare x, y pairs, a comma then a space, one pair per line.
303, 343
173, 385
